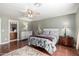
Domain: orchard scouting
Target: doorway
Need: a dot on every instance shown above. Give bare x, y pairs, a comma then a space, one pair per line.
13, 31
13, 34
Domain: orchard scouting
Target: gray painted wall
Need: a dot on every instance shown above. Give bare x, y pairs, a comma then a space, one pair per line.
22, 26
77, 21
0, 30
77, 29
4, 28
57, 22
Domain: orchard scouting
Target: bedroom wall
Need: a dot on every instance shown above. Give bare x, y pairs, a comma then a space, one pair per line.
77, 21
77, 29
22, 26
57, 22
0, 30
4, 28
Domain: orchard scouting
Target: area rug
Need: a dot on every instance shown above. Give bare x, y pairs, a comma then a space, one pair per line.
25, 51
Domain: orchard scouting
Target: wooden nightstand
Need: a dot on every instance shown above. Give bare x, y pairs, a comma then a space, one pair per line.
66, 41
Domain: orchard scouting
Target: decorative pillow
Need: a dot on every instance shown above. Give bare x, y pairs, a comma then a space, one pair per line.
46, 32
53, 32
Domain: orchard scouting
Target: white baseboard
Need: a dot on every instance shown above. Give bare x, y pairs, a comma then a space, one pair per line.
8, 42
4, 43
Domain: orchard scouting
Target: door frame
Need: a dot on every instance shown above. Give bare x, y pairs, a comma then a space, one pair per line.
77, 42
13, 21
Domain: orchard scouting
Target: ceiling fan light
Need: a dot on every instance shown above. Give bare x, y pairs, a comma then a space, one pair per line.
30, 15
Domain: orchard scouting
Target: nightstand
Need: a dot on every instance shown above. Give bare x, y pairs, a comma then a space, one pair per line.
66, 41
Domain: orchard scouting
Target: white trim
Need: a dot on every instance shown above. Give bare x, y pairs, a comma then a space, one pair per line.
13, 21
7, 42
4, 43
77, 45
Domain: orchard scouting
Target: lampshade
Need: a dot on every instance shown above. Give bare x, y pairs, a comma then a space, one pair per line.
39, 29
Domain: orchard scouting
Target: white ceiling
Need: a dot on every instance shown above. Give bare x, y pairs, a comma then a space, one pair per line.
46, 10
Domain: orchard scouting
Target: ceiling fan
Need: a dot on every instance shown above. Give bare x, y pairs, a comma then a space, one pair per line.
31, 13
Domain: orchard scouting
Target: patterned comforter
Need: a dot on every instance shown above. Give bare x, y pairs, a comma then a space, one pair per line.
43, 42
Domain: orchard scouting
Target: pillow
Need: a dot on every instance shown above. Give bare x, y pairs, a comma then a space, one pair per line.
53, 32
46, 32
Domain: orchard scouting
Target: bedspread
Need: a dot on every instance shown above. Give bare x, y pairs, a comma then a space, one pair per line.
42, 42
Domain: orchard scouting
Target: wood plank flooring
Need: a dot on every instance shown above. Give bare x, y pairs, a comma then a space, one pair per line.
61, 50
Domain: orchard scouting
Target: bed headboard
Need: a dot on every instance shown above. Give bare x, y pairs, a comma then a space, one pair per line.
52, 32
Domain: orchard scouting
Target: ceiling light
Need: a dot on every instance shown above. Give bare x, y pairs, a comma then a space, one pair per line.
31, 13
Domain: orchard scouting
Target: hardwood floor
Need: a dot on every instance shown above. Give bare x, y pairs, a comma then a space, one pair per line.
12, 46
61, 50
66, 51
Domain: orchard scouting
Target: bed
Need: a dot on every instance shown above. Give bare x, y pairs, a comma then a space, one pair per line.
47, 40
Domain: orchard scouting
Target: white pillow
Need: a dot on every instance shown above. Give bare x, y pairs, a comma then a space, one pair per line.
46, 32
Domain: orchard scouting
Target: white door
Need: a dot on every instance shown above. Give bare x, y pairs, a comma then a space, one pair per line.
0, 30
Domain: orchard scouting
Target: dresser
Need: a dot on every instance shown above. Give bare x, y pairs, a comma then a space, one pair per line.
66, 41
25, 34
13, 35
